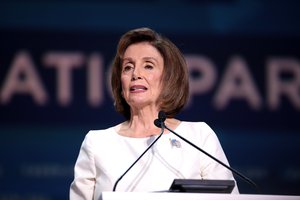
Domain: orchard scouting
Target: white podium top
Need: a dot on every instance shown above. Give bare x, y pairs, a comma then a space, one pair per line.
189, 196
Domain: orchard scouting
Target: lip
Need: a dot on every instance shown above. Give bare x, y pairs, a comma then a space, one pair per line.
138, 88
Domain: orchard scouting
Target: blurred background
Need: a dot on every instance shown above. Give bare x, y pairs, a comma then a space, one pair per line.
55, 55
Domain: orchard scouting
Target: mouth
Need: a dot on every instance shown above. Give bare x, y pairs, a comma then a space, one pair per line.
137, 88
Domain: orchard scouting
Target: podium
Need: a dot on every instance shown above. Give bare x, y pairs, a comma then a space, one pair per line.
189, 196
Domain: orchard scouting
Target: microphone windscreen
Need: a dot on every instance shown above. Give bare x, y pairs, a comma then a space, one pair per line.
162, 116
157, 123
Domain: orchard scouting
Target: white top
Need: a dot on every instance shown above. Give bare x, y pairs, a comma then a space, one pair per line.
105, 155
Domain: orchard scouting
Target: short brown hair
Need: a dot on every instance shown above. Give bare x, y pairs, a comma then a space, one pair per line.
175, 80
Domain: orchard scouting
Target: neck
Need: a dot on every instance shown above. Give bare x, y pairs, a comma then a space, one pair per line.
141, 123
143, 126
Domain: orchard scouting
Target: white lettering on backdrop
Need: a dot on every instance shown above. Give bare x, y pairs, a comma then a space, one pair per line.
236, 83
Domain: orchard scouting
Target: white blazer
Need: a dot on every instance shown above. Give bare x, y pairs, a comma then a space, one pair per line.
105, 155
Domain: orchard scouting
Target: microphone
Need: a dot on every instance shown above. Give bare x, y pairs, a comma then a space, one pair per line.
161, 124
160, 121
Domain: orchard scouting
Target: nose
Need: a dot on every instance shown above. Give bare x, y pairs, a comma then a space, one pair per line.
136, 75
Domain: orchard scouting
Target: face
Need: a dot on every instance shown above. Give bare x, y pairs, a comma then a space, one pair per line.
142, 69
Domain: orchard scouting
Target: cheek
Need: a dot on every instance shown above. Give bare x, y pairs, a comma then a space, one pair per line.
155, 77
157, 82
124, 82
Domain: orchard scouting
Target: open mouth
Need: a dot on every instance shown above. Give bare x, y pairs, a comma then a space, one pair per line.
138, 88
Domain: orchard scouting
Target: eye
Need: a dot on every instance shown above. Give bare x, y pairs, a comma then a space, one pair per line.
127, 68
148, 66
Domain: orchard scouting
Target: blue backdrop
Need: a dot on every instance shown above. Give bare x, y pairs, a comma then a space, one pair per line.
54, 64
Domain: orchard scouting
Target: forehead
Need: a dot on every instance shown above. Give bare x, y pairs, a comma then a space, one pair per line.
142, 50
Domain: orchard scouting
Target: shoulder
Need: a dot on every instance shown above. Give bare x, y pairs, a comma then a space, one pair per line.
202, 134
200, 130
199, 126
100, 136
100, 132
97, 140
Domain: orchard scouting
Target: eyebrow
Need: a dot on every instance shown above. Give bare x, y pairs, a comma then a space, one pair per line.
144, 58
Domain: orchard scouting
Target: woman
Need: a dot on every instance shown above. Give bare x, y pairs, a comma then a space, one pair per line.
149, 74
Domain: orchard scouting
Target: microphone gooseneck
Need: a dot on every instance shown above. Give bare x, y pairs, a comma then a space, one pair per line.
161, 124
